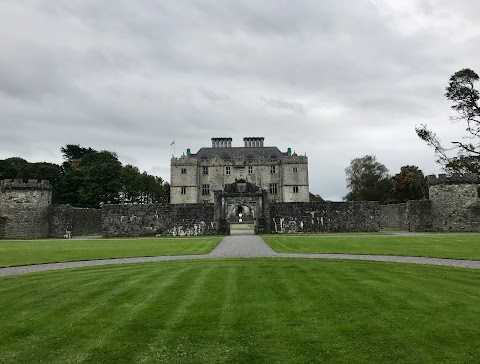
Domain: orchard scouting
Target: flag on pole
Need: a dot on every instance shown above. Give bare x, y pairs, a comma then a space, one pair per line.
172, 143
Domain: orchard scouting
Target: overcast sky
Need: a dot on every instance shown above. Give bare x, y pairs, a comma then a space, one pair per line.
333, 79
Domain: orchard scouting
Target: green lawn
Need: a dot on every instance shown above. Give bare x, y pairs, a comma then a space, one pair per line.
22, 252
242, 311
460, 246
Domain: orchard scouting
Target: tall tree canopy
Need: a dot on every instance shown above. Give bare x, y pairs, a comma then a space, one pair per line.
73, 152
368, 180
461, 91
409, 184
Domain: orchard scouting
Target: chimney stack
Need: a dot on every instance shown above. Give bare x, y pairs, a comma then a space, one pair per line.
253, 142
221, 142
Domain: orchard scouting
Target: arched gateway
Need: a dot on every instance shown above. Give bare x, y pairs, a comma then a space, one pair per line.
241, 197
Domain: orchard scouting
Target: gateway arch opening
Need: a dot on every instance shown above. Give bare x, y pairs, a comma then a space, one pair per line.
240, 203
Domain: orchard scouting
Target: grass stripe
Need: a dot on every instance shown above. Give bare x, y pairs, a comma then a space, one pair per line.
457, 246
165, 344
14, 253
135, 324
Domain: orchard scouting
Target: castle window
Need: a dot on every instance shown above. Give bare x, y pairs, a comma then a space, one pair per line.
184, 171
295, 189
295, 169
273, 188
205, 189
184, 191
273, 169
227, 170
250, 169
204, 170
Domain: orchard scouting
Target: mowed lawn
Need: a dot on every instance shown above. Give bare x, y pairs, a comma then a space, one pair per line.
459, 246
242, 311
23, 252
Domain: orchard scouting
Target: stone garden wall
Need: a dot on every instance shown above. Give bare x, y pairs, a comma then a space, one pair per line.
419, 216
296, 217
158, 219
77, 221
61, 220
394, 217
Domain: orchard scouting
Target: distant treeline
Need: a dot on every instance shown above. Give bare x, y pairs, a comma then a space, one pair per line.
90, 178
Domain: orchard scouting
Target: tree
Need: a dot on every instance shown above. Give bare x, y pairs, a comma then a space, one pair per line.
72, 152
7, 170
100, 179
142, 188
409, 184
368, 180
11, 167
92, 178
316, 198
461, 91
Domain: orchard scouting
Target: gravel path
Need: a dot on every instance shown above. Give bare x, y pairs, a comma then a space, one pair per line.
241, 244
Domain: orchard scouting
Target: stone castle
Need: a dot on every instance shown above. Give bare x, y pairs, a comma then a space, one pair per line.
195, 177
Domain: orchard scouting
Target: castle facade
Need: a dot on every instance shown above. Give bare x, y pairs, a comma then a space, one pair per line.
283, 175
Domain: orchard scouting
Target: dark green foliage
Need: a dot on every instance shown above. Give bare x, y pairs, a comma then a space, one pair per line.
409, 184
9, 170
317, 198
368, 180
73, 152
461, 91
101, 179
142, 188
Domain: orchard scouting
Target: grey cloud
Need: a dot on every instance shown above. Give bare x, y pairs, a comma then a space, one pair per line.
285, 105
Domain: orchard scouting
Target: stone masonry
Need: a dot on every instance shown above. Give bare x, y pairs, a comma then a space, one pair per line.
158, 219
394, 216
455, 202
324, 217
24, 208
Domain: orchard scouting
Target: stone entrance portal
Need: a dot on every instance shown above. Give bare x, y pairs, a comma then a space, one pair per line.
240, 202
